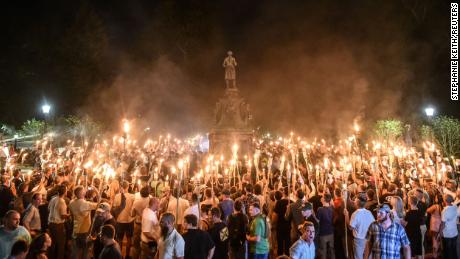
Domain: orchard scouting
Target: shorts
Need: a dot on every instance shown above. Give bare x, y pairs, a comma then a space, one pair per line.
125, 229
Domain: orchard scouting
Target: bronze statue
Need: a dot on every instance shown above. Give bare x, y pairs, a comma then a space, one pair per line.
230, 72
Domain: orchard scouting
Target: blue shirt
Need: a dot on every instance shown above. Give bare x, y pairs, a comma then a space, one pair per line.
8, 238
302, 250
326, 226
386, 244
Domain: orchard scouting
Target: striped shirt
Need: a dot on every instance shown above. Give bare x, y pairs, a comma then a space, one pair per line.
386, 244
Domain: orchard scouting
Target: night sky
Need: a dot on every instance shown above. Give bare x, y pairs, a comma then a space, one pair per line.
308, 66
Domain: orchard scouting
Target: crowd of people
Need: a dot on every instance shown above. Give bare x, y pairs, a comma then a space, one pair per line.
287, 200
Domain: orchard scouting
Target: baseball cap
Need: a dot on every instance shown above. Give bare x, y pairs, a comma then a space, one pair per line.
103, 207
385, 207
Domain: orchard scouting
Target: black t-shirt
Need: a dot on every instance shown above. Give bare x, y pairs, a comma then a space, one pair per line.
219, 235
280, 210
111, 252
237, 226
413, 218
422, 207
197, 244
98, 246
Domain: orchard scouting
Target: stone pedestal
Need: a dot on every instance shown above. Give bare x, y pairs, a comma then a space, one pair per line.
232, 125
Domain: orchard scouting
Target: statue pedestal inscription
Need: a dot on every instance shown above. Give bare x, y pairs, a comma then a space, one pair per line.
232, 118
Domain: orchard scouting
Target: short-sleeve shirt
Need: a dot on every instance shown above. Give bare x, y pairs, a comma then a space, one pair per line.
57, 208
258, 228
449, 217
280, 210
387, 243
149, 223
111, 251
172, 246
197, 244
125, 214
360, 221
325, 215
8, 238
81, 213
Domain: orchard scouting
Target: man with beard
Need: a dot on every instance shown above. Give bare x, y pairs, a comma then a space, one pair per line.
103, 217
304, 248
198, 243
171, 243
385, 237
10, 232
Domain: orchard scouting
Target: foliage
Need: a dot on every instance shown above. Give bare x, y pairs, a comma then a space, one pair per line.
84, 128
447, 133
388, 130
426, 133
32, 127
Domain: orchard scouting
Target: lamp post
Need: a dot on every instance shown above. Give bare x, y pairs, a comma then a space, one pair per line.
46, 108
429, 111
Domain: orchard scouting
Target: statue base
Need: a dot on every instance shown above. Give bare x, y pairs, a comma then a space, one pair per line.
221, 142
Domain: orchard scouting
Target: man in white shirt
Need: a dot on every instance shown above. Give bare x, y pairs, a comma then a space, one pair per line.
125, 223
57, 215
449, 228
304, 247
150, 229
359, 223
31, 219
138, 207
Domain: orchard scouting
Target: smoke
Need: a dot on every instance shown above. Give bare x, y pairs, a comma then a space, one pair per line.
313, 70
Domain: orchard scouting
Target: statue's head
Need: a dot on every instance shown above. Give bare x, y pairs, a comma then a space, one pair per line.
229, 53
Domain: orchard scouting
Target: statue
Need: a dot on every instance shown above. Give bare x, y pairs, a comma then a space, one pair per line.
230, 72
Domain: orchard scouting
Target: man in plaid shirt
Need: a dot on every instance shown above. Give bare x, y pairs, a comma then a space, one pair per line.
385, 237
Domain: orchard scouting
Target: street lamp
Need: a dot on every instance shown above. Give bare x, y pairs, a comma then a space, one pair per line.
429, 111
46, 108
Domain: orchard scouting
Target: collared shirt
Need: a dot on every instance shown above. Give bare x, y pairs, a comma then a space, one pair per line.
81, 212
32, 218
149, 224
302, 250
360, 221
8, 238
172, 246
57, 208
386, 244
449, 217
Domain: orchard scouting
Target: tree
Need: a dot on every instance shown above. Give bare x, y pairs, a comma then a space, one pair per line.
84, 127
447, 133
388, 130
32, 127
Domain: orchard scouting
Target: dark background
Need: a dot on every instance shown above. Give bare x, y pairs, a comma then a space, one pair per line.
308, 66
